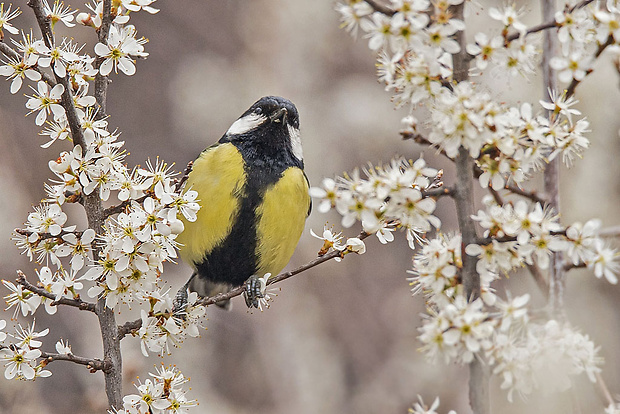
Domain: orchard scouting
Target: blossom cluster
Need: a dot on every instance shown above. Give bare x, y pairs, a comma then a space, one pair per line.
525, 355
415, 47
583, 33
20, 357
388, 197
521, 233
163, 393
123, 263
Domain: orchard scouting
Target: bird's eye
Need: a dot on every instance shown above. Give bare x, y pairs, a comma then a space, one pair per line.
258, 111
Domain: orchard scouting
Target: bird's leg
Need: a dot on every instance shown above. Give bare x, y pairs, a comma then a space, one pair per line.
253, 291
180, 301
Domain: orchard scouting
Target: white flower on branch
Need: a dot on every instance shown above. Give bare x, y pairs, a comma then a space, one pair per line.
17, 71
509, 17
331, 240
59, 13
574, 66
546, 356
20, 362
352, 14
485, 49
122, 44
46, 101
137, 5
58, 57
6, 16
389, 197
27, 338
63, 347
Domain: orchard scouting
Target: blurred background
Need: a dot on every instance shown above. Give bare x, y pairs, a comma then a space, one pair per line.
340, 338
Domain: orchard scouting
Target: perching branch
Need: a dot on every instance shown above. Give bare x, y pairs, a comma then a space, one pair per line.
76, 303
134, 325
93, 364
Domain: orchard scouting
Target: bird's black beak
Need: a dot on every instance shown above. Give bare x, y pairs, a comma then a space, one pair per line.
279, 115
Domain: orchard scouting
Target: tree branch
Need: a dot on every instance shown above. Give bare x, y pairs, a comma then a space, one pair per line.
532, 195
132, 326
549, 24
93, 364
76, 303
551, 176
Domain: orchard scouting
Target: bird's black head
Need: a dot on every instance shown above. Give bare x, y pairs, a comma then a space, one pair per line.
270, 124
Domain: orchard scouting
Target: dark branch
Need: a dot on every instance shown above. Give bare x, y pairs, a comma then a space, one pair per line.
93, 364
44, 236
76, 303
546, 25
132, 326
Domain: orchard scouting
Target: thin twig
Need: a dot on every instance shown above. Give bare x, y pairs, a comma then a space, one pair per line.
44, 236
546, 25
604, 389
76, 303
532, 195
438, 192
93, 364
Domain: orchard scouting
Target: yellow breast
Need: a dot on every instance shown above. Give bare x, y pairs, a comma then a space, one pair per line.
218, 176
281, 218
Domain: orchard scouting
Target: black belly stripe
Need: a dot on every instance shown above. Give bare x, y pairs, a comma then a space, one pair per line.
235, 259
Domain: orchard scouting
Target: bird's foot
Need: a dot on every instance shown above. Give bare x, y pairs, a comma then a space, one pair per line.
254, 290
179, 304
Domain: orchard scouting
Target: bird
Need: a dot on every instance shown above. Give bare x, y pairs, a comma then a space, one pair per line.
254, 197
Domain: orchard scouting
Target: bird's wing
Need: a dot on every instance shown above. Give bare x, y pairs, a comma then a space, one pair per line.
282, 216
219, 177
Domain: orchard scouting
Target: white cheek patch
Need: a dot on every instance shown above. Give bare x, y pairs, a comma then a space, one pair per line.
296, 142
246, 124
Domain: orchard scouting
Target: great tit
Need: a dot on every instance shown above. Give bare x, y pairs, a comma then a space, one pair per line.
254, 197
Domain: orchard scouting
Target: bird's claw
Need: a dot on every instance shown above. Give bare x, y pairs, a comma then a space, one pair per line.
253, 291
180, 302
